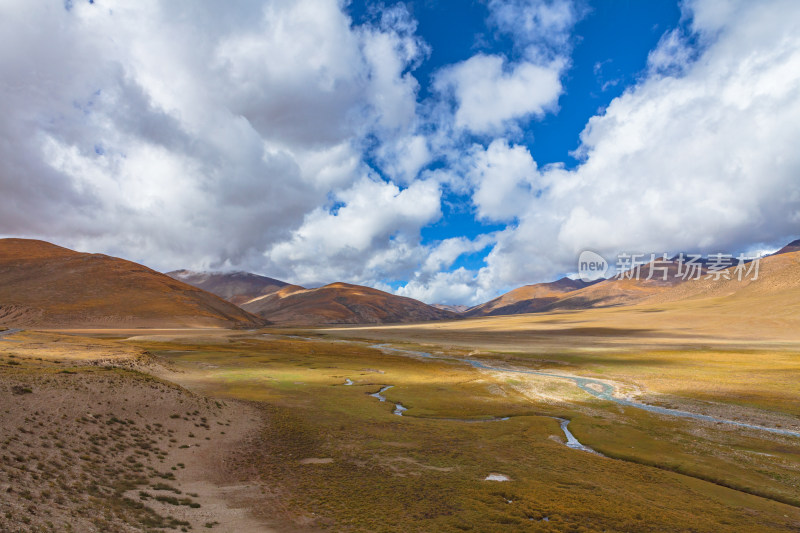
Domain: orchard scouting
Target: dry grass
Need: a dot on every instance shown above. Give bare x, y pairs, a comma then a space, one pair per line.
88, 444
421, 472
328, 456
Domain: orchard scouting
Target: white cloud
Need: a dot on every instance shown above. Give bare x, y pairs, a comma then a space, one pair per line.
392, 50
405, 157
457, 287
180, 134
375, 220
671, 55
297, 76
502, 177
195, 135
703, 158
494, 93
444, 253
535, 22
489, 93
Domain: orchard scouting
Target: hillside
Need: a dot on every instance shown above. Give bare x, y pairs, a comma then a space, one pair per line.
566, 294
44, 285
793, 246
528, 299
341, 303
236, 287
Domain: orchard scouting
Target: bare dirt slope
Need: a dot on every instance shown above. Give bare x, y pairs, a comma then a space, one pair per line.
90, 444
44, 285
341, 303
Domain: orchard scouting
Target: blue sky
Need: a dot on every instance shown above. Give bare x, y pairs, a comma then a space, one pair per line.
446, 151
609, 45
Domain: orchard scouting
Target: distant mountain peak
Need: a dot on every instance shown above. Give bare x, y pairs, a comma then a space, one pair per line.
792, 247
236, 287
452, 308
342, 303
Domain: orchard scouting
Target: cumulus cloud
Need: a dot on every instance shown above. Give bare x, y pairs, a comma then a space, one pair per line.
445, 252
278, 136
437, 282
373, 216
543, 23
489, 93
457, 287
296, 76
502, 177
493, 93
180, 134
699, 158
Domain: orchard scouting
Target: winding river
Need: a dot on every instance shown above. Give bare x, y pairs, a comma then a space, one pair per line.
572, 442
398, 408
604, 391
596, 388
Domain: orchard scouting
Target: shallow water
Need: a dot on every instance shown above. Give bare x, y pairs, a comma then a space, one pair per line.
572, 442
402, 351
398, 407
596, 388
606, 392
8, 332
379, 395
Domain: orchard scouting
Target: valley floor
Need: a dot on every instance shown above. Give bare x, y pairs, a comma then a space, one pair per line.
285, 430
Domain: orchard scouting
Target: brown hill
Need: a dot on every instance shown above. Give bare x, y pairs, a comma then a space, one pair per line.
44, 285
622, 292
778, 273
778, 282
625, 290
236, 287
341, 303
566, 294
793, 246
528, 299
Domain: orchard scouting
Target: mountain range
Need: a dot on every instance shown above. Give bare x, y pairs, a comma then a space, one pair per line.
336, 303
44, 285
674, 283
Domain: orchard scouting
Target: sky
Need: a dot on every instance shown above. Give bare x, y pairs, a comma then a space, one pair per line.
443, 150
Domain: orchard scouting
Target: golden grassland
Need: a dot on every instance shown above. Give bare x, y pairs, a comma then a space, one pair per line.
332, 457
705, 350
423, 472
